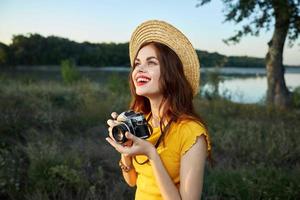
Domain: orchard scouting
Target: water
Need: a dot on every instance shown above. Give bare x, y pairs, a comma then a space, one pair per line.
238, 84
248, 85
252, 89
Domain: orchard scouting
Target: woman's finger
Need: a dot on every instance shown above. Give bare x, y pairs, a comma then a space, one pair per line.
111, 122
110, 132
128, 143
114, 115
131, 136
117, 146
112, 142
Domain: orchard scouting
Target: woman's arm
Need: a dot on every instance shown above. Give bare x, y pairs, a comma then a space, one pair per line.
166, 186
191, 173
130, 177
192, 167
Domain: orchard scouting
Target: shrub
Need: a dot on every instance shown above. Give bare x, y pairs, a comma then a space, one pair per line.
296, 97
69, 72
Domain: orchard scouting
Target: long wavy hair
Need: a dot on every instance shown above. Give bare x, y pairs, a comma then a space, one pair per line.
177, 103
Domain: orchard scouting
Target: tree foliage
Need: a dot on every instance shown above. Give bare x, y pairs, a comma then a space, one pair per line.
35, 49
260, 16
3, 54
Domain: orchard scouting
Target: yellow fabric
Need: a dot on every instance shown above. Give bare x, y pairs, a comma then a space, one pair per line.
180, 139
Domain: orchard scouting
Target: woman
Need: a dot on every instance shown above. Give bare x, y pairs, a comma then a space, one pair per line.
164, 79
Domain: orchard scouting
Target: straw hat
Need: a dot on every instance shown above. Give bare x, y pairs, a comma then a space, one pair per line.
162, 32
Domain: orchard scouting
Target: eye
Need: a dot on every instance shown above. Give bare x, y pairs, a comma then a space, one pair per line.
152, 63
135, 64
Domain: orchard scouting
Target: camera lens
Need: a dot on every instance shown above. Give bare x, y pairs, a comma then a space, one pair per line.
118, 133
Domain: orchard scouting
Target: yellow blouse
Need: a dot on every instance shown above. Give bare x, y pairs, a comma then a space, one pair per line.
180, 138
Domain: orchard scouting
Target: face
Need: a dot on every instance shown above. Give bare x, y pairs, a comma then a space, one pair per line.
146, 72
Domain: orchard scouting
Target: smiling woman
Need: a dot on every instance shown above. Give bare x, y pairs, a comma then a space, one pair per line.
164, 79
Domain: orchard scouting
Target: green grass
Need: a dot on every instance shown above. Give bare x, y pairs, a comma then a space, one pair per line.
52, 144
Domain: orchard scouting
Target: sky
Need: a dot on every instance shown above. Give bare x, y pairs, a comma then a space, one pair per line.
100, 21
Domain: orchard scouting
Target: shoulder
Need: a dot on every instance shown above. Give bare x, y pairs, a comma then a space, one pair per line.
188, 132
190, 125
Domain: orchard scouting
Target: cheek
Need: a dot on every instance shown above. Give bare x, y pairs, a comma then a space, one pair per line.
157, 77
156, 81
132, 75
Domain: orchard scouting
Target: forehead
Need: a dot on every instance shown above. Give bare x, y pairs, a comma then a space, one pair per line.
146, 51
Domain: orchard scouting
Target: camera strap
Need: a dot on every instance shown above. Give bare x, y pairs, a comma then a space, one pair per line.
159, 139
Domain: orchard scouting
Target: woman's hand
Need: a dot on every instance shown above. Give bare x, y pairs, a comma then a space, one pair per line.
139, 146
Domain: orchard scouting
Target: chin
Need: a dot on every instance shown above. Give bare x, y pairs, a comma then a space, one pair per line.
139, 93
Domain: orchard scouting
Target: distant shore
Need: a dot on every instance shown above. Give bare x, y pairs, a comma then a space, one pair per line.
221, 70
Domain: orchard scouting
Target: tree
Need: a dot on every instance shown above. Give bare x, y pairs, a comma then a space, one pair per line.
3, 54
284, 17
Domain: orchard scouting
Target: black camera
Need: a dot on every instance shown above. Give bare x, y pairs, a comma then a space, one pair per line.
135, 123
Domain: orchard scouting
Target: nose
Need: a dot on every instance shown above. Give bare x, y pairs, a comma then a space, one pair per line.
141, 68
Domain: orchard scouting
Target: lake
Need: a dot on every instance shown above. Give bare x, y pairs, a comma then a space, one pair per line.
239, 84
248, 85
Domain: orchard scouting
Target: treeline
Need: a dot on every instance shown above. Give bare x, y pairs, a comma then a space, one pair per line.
38, 50
219, 60
35, 49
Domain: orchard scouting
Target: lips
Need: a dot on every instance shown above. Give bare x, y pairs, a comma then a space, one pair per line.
142, 80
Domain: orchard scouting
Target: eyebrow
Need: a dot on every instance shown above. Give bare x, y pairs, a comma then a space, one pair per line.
149, 58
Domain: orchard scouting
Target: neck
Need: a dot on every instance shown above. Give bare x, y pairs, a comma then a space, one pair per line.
155, 103
156, 113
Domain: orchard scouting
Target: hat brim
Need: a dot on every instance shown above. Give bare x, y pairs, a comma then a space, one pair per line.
162, 32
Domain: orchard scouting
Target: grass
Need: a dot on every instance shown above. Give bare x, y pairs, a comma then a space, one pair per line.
52, 144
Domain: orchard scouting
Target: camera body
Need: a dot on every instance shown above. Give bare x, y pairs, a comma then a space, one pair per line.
135, 123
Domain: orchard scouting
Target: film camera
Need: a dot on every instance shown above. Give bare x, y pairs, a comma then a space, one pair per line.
135, 123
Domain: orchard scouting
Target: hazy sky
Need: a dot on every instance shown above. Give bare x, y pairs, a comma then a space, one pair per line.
114, 21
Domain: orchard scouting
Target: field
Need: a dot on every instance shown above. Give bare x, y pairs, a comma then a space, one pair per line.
52, 144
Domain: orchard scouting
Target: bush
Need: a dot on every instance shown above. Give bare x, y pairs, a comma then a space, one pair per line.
52, 142
255, 183
296, 97
69, 72
213, 81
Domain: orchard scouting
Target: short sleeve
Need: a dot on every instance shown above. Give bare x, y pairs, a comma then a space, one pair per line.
189, 132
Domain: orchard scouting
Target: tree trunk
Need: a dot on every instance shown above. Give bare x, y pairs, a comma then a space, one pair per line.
277, 93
